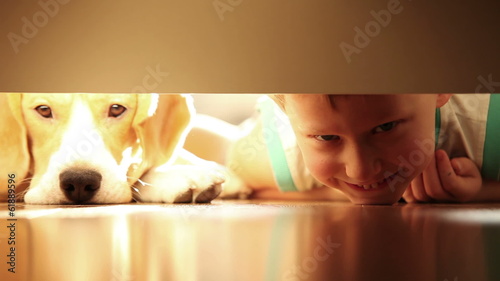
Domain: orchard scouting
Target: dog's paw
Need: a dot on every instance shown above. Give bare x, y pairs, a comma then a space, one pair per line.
181, 184
234, 187
199, 195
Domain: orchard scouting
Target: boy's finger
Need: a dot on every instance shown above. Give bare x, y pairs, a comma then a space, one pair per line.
418, 189
408, 195
469, 178
464, 167
432, 180
449, 179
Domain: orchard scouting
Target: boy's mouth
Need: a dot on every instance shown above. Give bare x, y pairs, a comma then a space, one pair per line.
374, 186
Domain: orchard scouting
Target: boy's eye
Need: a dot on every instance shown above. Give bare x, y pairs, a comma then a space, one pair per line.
326, 137
386, 127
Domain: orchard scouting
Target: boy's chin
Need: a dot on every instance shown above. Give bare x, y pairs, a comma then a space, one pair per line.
374, 201
382, 198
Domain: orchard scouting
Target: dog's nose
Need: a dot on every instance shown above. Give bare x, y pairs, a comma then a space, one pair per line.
79, 185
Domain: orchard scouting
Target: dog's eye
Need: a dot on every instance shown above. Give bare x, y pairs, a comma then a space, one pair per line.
44, 111
116, 110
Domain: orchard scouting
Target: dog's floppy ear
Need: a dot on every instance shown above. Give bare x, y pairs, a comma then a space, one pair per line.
161, 123
14, 154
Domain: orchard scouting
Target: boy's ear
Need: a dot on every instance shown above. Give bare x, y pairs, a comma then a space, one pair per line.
442, 99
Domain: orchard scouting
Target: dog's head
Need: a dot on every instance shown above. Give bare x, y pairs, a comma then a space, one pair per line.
88, 148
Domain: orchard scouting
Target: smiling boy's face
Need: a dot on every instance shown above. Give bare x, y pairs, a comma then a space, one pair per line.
369, 147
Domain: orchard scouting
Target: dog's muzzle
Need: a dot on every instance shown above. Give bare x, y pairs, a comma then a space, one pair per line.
79, 185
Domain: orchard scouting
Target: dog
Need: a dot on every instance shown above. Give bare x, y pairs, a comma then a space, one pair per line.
102, 148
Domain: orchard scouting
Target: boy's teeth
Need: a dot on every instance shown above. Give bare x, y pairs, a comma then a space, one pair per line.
373, 185
369, 186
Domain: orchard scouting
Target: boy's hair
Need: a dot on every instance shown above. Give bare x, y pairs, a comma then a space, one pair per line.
279, 99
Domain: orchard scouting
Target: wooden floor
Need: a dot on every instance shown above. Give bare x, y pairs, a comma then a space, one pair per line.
251, 240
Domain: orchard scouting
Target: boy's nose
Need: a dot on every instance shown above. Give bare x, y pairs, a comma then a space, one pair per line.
362, 164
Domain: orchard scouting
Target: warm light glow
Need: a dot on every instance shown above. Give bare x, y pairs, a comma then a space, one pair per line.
482, 216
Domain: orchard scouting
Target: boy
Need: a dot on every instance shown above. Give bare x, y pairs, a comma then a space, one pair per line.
374, 149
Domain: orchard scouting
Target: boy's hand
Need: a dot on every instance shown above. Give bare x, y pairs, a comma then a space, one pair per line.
445, 180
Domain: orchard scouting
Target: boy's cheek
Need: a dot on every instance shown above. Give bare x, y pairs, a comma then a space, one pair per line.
321, 168
416, 159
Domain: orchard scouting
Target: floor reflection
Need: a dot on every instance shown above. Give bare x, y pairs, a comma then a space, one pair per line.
248, 240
